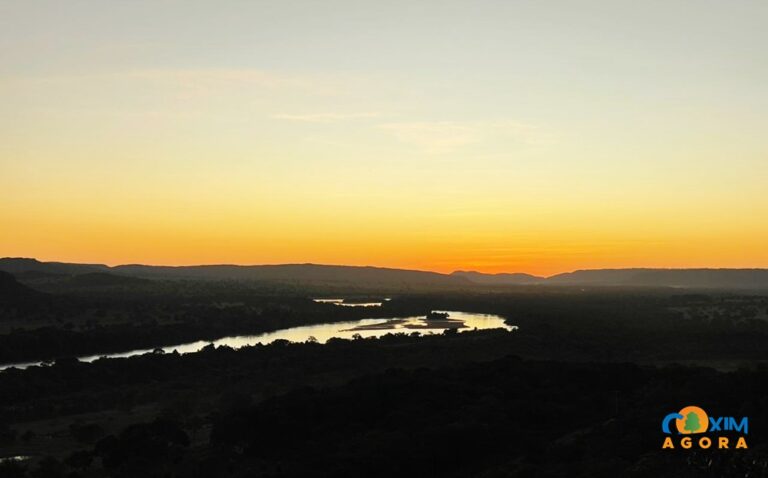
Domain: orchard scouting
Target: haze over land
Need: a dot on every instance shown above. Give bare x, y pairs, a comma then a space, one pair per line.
372, 277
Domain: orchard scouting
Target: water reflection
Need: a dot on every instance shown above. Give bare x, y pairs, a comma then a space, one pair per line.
349, 304
322, 332
15, 458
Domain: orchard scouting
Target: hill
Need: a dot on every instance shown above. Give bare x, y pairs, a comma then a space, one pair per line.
23, 265
11, 291
751, 279
517, 278
103, 279
300, 274
684, 278
297, 273
387, 278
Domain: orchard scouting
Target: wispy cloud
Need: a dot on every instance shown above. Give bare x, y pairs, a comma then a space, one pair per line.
231, 82
184, 77
433, 137
447, 136
324, 117
189, 84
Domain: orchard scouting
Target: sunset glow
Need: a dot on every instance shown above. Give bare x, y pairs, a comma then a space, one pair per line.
529, 136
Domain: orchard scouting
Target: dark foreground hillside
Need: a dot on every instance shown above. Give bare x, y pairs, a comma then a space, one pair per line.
497, 418
504, 418
578, 389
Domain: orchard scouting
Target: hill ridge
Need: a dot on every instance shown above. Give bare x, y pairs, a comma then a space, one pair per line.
308, 272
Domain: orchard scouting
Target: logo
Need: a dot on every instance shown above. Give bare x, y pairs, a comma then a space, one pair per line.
693, 420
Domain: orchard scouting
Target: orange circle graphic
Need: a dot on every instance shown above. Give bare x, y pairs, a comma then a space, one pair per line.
695, 420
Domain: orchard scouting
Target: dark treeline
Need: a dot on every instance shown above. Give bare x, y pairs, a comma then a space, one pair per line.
625, 324
610, 323
147, 327
70, 387
83, 320
505, 417
508, 417
578, 390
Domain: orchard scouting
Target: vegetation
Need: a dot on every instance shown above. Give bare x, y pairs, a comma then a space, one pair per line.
578, 390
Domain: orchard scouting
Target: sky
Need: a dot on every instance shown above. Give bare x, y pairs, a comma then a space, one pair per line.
538, 136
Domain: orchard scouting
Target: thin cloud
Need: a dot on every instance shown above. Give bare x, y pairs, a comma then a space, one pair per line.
433, 137
438, 137
324, 117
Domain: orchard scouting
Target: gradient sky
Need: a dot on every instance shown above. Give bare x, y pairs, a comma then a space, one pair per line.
538, 136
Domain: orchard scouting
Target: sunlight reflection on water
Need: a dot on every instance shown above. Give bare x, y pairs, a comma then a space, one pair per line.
321, 332
349, 304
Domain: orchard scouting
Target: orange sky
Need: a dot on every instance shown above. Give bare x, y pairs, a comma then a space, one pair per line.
480, 135
411, 242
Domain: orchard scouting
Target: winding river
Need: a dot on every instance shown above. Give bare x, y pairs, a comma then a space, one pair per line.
322, 332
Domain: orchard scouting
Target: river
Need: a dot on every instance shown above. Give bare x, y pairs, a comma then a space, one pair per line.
322, 332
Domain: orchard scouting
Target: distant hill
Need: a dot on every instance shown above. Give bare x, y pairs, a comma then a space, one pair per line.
518, 278
103, 279
683, 278
299, 273
11, 291
37, 276
21, 265
288, 273
372, 277
688, 278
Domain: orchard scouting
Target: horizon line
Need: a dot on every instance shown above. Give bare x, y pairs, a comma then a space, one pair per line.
464, 271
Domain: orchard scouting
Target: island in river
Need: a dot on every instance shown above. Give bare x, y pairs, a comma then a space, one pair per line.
433, 320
